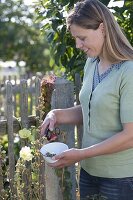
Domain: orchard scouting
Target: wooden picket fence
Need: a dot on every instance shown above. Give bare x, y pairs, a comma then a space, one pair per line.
16, 87
65, 95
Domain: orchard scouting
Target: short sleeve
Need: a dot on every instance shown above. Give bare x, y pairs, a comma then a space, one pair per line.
126, 95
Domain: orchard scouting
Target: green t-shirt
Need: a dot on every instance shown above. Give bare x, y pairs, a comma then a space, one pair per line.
111, 105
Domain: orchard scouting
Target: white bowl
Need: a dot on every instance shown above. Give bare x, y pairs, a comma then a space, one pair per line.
53, 148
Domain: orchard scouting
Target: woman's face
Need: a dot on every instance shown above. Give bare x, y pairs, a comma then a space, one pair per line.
89, 40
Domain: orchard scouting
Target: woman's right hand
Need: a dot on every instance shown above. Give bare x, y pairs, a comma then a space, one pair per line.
48, 123
71, 115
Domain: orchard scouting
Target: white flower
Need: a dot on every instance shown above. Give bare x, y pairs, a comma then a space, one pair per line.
25, 153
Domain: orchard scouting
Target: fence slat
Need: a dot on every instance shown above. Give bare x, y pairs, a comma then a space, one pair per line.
24, 124
37, 94
24, 103
1, 173
9, 103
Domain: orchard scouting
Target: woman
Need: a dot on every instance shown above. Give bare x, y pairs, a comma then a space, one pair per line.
106, 109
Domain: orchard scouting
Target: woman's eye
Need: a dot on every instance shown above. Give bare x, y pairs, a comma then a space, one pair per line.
82, 39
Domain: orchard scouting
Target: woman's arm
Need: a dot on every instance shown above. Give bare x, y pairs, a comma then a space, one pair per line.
71, 115
119, 142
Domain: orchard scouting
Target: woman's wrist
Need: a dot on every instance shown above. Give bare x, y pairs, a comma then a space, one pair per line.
56, 114
83, 153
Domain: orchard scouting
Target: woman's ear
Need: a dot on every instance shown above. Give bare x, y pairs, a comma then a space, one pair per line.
101, 27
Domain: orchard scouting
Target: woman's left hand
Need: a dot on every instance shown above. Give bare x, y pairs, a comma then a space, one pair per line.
67, 158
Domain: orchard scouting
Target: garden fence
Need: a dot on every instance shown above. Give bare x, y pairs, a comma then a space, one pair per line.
16, 90
65, 95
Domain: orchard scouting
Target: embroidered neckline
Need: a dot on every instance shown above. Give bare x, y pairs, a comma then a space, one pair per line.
97, 78
112, 66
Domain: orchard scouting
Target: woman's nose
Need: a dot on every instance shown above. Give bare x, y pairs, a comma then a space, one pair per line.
79, 44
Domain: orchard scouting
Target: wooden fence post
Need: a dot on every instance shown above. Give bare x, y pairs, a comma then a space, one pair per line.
9, 103
1, 173
63, 97
37, 94
24, 103
24, 124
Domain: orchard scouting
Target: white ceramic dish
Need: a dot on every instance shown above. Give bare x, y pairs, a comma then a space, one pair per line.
52, 148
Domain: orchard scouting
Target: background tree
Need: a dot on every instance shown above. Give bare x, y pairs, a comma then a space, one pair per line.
20, 38
66, 58
124, 17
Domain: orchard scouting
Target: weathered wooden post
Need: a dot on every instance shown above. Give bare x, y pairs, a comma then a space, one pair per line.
24, 103
1, 173
37, 94
9, 104
63, 97
24, 123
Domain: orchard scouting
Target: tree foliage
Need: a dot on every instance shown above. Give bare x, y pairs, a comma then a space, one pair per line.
124, 17
20, 38
52, 15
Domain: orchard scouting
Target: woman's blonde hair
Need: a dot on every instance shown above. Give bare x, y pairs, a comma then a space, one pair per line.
90, 14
